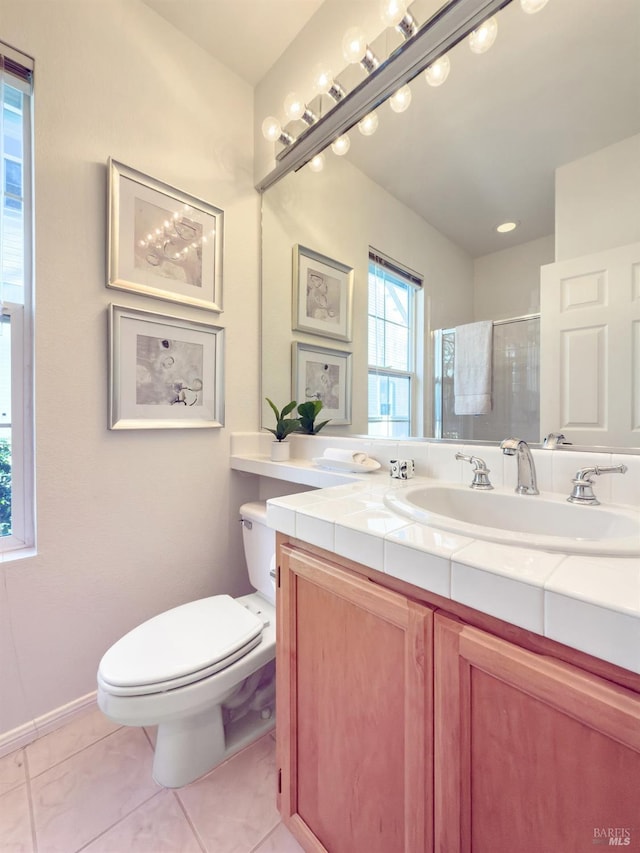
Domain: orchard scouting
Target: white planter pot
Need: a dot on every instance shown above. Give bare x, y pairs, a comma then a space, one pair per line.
280, 451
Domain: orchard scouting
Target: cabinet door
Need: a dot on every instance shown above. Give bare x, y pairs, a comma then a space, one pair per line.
530, 754
354, 711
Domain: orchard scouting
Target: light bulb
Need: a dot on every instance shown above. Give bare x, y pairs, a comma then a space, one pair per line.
400, 100
393, 11
438, 71
368, 125
484, 36
317, 163
341, 145
533, 6
324, 84
294, 106
322, 79
271, 129
273, 132
354, 45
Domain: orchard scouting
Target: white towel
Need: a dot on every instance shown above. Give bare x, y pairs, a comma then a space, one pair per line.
345, 455
472, 372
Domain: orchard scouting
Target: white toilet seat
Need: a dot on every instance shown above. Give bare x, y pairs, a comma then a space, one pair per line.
179, 647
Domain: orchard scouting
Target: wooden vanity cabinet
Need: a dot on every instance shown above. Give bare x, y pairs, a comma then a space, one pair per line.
354, 694
531, 754
401, 728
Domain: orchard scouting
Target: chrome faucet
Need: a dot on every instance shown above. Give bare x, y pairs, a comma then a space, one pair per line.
582, 492
527, 484
554, 439
480, 471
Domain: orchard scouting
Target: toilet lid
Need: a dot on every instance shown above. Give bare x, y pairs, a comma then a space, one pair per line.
181, 642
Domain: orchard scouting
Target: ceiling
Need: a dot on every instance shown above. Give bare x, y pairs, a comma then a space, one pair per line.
247, 36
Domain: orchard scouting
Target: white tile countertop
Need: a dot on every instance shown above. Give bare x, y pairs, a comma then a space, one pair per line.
587, 602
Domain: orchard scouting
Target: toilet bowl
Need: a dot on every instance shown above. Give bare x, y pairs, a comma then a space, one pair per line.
203, 672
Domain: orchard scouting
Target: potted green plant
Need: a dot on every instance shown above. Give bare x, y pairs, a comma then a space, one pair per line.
284, 426
308, 412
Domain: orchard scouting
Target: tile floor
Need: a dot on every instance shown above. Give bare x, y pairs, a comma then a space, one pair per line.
88, 786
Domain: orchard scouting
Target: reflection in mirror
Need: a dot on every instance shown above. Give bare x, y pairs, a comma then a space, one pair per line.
542, 131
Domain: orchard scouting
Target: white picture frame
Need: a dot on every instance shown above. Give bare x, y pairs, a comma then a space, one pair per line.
164, 372
322, 295
163, 242
321, 373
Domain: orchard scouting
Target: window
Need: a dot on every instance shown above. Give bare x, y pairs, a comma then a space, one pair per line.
394, 293
16, 304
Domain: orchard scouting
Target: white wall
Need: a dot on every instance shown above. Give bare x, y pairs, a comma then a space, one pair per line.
507, 283
597, 201
131, 522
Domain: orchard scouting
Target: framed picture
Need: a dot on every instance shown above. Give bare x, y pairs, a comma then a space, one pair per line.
322, 295
164, 372
163, 242
323, 374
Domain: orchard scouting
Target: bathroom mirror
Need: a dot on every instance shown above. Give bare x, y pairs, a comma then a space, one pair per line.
542, 130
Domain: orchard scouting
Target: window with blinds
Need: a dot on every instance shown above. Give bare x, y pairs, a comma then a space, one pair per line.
391, 346
16, 303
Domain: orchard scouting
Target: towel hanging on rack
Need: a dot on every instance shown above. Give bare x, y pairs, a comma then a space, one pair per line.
472, 368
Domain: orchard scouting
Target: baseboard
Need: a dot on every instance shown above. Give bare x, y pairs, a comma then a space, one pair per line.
44, 725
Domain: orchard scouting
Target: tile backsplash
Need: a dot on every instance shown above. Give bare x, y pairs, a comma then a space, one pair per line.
555, 468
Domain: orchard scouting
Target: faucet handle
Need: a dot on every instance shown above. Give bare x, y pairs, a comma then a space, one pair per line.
480, 471
582, 492
554, 439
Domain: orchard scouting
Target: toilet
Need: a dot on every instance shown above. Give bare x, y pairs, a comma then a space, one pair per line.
203, 672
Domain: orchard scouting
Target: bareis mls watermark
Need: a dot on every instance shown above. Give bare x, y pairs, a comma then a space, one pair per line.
612, 836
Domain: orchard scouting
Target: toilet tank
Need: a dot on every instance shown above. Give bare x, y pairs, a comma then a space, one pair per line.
259, 549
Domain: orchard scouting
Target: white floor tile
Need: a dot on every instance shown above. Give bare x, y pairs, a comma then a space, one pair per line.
92, 790
158, 826
233, 808
80, 798
279, 841
12, 771
81, 732
15, 824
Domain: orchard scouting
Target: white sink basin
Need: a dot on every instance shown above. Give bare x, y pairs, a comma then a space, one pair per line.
547, 521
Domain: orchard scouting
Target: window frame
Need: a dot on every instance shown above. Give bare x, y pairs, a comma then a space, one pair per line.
414, 282
21, 541
21, 535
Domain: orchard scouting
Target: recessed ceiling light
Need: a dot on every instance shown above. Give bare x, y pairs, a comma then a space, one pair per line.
505, 227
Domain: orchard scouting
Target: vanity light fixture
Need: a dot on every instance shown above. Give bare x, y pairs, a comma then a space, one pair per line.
400, 101
505, 227
295, 108
273, 132
533, 6
324, 84
368, 125
355, 49
457, 20
438, 71
394, 14
341, 145
482, 38
316, 164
